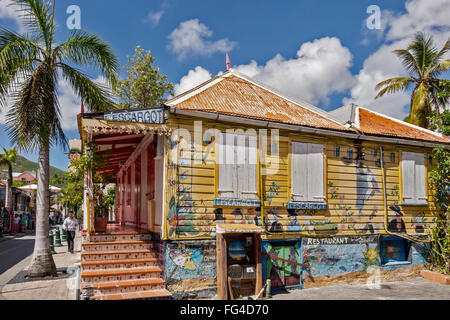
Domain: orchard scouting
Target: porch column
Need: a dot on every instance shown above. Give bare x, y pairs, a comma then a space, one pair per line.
143, 213
133, 194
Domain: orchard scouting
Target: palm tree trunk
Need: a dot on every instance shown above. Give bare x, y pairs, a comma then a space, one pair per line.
420, 107
9, 194
42, 263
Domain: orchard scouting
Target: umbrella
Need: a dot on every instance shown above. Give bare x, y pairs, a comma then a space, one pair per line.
33, 187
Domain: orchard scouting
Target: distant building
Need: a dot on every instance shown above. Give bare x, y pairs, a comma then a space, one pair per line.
22, 199
74, 149
27, 176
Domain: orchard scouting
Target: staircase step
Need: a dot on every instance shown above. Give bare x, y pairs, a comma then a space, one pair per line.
101, 288
120, 237
149, 294
93, 276
118, 264
117, 245
118, 254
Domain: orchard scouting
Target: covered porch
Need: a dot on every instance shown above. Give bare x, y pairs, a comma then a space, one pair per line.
134, 157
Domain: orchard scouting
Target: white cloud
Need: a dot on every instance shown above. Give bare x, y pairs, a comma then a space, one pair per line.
191, 80
154, 17
421, 15
190, 38
320, 68
70, 103
8, 11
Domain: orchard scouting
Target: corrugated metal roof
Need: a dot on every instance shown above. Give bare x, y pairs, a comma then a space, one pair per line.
374, 123
233, 94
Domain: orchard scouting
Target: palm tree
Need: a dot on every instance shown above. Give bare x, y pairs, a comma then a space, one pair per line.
31, 66
424, 63
7, 159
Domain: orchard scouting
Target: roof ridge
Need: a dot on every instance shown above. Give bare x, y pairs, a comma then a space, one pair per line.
440, 135
296, 101
205, 85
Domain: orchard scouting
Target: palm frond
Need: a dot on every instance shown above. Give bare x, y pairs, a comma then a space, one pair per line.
424, 51
408, 61
438, 68
37, 16
83, 48
34, 117
18, 54
437, 100
97, 97
393, 85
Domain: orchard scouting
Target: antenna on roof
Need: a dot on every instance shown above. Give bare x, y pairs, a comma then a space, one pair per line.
228, 62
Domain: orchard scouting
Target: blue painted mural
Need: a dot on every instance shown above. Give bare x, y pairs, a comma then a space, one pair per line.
186, 260
350, 254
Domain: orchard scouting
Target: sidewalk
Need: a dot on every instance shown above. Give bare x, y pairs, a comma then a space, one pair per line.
61, 288
413, 289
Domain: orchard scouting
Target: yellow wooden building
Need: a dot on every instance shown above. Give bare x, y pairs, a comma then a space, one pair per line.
335, 193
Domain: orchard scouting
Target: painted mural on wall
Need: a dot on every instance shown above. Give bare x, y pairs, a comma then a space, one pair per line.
184, 219
280, 272
357, 253
186, 260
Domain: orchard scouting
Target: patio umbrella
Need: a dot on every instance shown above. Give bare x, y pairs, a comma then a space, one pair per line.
33, 187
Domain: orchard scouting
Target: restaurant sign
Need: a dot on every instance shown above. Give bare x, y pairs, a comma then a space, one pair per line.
154, 115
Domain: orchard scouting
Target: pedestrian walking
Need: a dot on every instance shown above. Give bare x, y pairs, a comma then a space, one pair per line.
6, 221
16, 223
70, 225
24, 222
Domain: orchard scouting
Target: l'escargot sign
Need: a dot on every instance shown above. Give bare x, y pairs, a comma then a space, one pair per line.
155, 115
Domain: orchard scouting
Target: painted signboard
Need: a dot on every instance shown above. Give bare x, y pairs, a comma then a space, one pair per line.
154, 115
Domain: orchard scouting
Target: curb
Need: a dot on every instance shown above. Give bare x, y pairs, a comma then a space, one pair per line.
3, 238
435, 276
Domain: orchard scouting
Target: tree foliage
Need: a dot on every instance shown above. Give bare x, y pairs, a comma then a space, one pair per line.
144, 86
31, 68
424, 63
73, 194
439, 258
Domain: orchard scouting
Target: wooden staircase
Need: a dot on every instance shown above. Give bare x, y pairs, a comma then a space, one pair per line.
122, 267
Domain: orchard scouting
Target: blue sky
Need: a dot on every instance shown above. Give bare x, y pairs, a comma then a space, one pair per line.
318, 51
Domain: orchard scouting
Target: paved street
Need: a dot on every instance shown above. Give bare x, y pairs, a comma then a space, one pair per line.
15, 250
15, 257
414, 289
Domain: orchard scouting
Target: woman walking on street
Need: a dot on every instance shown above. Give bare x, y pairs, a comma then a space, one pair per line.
70, 225
16, 222
24, 223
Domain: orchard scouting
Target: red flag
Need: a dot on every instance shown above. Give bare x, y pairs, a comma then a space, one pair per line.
82, 106
228, 63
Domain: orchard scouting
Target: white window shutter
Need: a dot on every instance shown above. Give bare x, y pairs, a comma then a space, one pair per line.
420, 179
249, 189
226, 166
299, 171
242, 165
315, 172
408, 177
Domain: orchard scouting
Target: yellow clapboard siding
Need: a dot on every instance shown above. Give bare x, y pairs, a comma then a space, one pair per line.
197, 180
351, 177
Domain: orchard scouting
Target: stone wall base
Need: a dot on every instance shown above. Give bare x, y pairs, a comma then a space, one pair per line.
361, 277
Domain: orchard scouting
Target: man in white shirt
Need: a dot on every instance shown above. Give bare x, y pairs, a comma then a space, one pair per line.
70, 225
